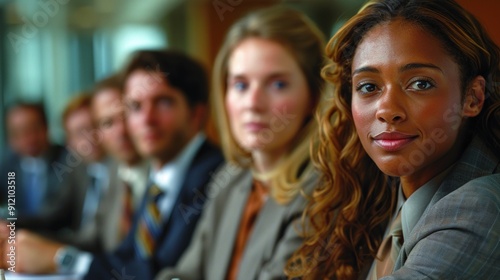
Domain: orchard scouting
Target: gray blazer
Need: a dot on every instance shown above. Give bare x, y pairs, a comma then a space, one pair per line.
273, 239
458, 235
102, 234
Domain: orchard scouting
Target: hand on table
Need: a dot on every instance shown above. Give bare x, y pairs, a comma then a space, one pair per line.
33, 253
4, 239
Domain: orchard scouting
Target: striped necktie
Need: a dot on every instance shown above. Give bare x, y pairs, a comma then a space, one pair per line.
149, 227
127, 211
389, 250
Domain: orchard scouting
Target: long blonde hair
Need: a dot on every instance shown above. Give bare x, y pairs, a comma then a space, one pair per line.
350, 208
296, 33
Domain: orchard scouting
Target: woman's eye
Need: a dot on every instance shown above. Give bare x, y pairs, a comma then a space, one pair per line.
279, 84
240, 86
133, 106
106, 123
166, 102
421, 85
366, 88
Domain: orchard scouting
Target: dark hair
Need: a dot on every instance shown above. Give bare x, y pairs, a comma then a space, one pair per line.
82, 100
179, 70
111, 82
39, 108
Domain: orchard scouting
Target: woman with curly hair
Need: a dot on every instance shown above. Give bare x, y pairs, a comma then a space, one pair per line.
409, 149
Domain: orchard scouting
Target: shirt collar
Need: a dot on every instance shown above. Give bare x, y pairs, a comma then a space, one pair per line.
416, 204
99, 171
170, 176
33, 164
134, 173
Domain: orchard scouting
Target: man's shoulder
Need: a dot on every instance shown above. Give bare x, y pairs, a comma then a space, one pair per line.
9, 157
479, 197
208, 153
485, 187
208, 148
56, 152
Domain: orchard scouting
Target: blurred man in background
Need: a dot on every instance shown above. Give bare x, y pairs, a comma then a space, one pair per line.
90, 176
101, 201
32, 158
127, 178
130, 170
166, 94
82, 137
109, 114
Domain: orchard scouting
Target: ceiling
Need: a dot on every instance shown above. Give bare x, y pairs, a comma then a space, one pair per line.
92, 13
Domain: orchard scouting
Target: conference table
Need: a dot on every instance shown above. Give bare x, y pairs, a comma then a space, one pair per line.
17, 276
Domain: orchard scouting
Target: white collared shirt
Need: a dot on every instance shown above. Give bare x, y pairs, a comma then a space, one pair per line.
170, 177
35, 172
98, 172
413, 207
416, 204
136, 177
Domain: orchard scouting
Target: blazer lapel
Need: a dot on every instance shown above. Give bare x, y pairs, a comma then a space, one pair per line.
476, 161
230, 225
268, 225
195, 180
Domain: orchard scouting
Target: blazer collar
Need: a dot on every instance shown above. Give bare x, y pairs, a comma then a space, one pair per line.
265, 232
196, 178
476, 161
231, 222
272, 220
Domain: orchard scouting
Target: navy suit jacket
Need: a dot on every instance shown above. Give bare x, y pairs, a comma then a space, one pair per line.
176, 232
51, 215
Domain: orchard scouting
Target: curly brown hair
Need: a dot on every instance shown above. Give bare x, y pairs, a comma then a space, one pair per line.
350, 209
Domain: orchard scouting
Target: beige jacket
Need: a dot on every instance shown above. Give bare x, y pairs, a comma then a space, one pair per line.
273, 240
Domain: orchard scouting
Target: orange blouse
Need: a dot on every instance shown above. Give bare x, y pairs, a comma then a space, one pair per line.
255, 202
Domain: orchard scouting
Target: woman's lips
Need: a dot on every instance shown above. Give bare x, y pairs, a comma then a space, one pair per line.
393, 141
150, 137
255, 126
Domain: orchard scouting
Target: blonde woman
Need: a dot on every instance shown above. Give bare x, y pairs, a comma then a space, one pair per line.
267, 85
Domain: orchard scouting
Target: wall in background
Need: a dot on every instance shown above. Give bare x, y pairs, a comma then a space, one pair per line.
63, 49
487, 12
